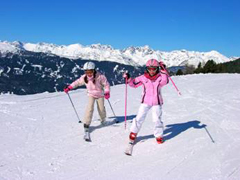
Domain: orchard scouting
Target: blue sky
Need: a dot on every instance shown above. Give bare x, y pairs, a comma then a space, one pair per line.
164, 25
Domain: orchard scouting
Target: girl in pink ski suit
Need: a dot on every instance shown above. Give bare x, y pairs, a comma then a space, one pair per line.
152, 81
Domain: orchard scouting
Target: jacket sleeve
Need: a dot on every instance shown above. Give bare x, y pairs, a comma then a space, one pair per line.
136, 82
105, 83
78, 82
164, 80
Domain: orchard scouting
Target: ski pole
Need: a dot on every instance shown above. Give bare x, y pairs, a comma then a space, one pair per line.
209, 135
74, 108
112, 110
179, 93
126, 104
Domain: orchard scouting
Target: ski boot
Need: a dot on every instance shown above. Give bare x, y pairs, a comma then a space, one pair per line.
132, 138
86, 136
159, 140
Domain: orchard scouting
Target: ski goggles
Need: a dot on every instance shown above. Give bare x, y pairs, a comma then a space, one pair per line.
153, 69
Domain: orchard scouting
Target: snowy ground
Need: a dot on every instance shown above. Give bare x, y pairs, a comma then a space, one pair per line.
41, 139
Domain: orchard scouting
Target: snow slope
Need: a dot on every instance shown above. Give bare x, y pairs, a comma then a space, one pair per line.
41, 139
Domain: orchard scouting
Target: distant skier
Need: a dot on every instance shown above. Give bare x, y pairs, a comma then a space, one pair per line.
98, 88
153, 79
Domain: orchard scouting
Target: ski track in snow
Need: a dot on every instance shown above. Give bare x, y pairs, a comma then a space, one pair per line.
42, 139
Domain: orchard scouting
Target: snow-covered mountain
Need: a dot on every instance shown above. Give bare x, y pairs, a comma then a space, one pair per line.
31, 72
41, 138
136, 56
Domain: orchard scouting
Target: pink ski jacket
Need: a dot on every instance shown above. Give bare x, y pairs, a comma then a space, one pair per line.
151, 94
96, 89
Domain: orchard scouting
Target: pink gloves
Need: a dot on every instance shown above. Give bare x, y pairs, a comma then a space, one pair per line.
162, 65
163, 68
107, 95
68, 88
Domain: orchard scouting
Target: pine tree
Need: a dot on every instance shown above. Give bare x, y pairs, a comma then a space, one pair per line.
210, 67
179, 72
199, 68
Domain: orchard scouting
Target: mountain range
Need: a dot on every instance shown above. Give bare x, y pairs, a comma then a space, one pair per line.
28, 72
27, 68
135, 56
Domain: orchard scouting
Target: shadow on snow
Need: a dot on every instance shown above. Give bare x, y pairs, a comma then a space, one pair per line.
173, 130
118, 119
122, 118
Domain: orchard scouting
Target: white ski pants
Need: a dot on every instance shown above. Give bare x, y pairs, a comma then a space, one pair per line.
156, 117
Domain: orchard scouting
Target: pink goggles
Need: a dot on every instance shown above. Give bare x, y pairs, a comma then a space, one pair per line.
154, 69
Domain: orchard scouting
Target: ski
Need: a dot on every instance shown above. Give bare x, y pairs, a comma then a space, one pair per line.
129, 149
109, 123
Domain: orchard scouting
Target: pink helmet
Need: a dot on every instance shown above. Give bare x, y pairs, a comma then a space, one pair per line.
152, 63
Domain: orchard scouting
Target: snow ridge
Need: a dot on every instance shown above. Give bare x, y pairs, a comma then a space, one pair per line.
136, 56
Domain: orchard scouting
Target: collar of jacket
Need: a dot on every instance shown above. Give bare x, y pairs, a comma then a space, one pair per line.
89, 78
152, 78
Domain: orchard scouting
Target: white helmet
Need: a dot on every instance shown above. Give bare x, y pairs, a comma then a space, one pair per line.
89, 66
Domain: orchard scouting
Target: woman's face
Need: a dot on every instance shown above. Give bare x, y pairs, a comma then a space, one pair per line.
89, 73
152, 70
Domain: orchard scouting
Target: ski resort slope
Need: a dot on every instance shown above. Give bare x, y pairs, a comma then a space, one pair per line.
41, 138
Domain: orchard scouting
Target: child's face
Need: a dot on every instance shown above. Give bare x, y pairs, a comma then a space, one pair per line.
152, 70
89, 73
